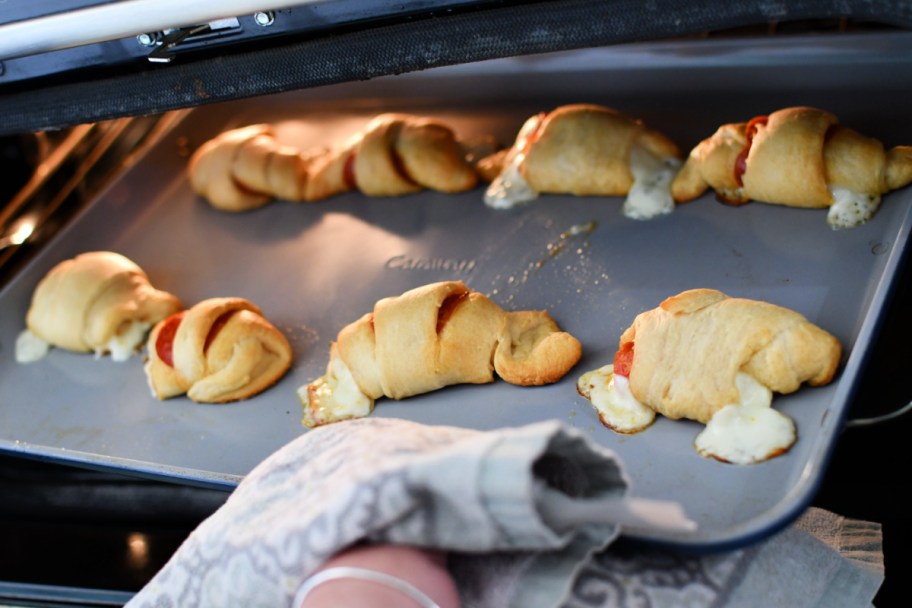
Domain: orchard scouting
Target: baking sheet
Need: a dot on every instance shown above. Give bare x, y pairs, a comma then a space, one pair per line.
313, 268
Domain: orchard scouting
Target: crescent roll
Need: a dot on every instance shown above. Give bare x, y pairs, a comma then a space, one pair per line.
687, 352
395, 154
800, 157
585, 150
99, 302
246, 168
430, 337
718, 360
220, 350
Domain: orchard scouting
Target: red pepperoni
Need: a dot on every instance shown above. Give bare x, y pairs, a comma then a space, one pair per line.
449, 305
164, 343
749, 132
536, 133
623, 360
348, 172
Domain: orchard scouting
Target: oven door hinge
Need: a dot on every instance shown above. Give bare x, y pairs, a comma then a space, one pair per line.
168, 41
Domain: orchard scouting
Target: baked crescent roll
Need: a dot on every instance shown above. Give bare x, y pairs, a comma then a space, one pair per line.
687, 352
246, 168
430, 337
220, 350
585, 150
395, 154
800, 157
99, 302
718, 360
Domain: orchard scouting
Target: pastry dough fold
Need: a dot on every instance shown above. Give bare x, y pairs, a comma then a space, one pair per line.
395, 154
584, 149
245, 168
442, 334
220, 350
438, 335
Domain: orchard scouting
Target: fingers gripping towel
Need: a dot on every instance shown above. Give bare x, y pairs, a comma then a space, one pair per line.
390, 480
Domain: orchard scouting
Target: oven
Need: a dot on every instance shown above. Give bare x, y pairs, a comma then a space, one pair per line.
100, 111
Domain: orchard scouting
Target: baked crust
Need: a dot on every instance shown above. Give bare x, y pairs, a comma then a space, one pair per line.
580, 149
394, 155
442, 334
795, 158
687, 352
246, 168
84, 302
223, 350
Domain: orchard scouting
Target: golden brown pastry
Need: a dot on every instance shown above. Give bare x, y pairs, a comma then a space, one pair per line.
801, 157
685, 353
585, 150
220, 350
246, 168
394, 154
99, 302
718, 360
430, 337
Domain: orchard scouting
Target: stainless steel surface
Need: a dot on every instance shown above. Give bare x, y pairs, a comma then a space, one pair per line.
121, 20
314, 268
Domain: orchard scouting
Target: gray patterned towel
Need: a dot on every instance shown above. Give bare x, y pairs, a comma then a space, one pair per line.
498, 501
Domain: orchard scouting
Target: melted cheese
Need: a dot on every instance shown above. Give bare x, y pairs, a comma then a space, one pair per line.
610, 395
333, 397
510, 189
733, 194
850, 208
748, 431
30, 348
126, 343
650, 194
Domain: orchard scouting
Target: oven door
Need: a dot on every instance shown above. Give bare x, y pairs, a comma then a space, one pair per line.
594, 287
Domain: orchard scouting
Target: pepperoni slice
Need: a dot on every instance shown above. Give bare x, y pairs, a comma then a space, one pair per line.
348, 172
536, 133
623, 360
448, 306
164, 343
749, 132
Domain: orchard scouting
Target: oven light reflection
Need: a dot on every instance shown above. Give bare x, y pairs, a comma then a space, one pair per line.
23, 232
138, 550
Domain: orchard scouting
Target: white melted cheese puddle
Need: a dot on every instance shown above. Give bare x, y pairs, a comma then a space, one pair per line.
748, 431
124, 345
650, 194
850, 208
336, 397
30, 348
741, 433
610, 395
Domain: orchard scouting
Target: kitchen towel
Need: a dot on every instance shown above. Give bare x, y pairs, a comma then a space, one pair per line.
498, 501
